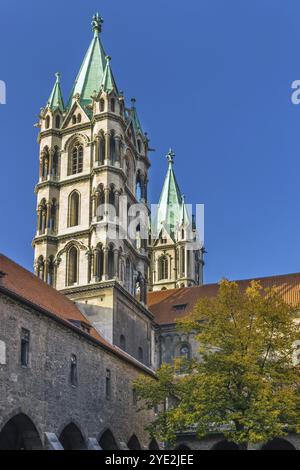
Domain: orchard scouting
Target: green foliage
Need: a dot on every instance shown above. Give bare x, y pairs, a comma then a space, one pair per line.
244, 380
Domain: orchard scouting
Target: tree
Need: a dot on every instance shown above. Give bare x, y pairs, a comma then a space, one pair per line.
245, 380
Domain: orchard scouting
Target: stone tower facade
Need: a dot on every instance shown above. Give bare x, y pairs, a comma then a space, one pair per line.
176, 254
93, 169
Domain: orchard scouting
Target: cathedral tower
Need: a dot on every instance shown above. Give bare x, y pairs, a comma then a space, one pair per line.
176, 255
93, 169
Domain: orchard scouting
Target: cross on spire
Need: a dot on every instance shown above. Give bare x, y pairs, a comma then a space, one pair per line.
170, 156
97, 23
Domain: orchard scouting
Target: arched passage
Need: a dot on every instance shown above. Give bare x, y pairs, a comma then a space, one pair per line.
153, 445
71, 438
107, 441
225, 445
20, 433
182, 447
278, 444
133, 443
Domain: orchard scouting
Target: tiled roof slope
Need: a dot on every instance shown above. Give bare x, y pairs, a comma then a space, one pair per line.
14, 279
172, 304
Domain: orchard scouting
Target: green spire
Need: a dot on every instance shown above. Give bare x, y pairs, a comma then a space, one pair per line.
108, 82
91, 72
56, 99
170, 203
135, 118
184, 215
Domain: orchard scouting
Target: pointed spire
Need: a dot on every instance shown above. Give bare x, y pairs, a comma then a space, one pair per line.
185, 218
108, 82
91, 72
170, 203
135, 118
55, 100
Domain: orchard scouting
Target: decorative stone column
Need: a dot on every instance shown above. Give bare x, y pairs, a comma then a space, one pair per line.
44, 215
107, 148
117, 202
96, 147
95, 256
116, 263
48, 206
117, 150
106, 200
41, 168
105, 263
39, 220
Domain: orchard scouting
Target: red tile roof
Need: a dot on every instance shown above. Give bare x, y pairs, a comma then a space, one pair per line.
16, 280
172, 304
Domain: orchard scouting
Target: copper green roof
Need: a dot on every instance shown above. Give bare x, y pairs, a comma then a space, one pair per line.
170, 203
55, 100
135, 118
108, 82
91, 72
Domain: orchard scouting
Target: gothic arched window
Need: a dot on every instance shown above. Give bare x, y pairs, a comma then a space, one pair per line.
40, 267
102, 105
101, 149
42, 216
113, 148
99, 262
52, 219
55, 161
139, 185
50, 274
57, 122
99, 202
74, 209
72, 266
111, 264
45, 158
139, 144
47, 123
113, 105
79, 118
163, 268
74, 119
76, 163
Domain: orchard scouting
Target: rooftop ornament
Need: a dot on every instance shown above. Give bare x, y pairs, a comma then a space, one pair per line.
170, 156
97, 22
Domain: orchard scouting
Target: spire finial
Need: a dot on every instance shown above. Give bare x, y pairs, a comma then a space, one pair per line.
170, 156
97, 24
57, 75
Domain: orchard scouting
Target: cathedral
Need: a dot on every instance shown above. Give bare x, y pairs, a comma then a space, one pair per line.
111, 277
94, 173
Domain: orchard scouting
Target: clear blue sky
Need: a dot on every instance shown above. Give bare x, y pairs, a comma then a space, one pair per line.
212, 79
